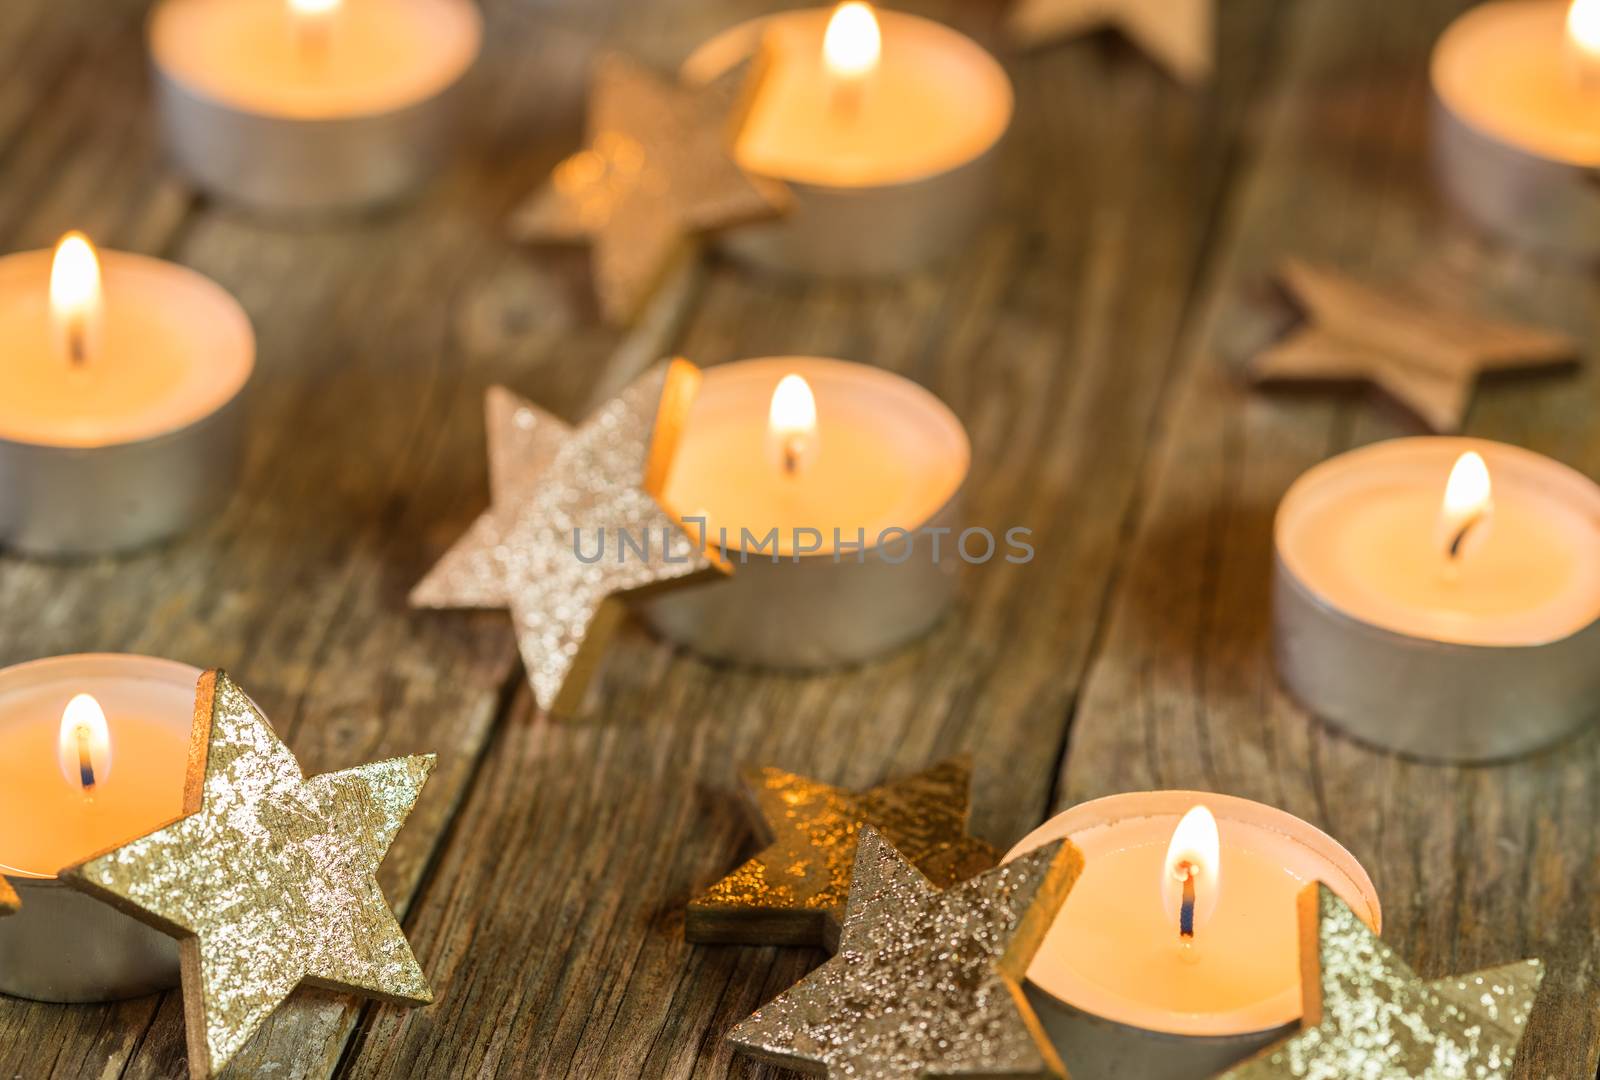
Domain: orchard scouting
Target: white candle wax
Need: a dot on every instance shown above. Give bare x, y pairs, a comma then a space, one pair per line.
172, 348
1114, 949
887, 455
1361, 532
50, 821
360, 58
1514, 70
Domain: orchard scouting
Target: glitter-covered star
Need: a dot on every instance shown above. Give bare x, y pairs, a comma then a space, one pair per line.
269, 881
925, 983
1368, 1015
1424, 357
551, 547
1178, 34
657, 172
794, 891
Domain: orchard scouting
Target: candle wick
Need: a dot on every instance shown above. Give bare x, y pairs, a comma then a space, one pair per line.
1460, 537
1186, 911
77, 344
791, 455
85, 761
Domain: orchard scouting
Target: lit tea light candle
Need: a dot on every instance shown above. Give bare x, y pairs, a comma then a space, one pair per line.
884, 126
120, 418
1517, 120
311, 105
834, 490
1439, 597
1177, 952
94, 751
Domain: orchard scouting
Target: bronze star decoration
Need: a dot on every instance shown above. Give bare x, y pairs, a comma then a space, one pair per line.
1424, 357
657, 172
560, 496
1367, 1014
925, 983
269, 881
794, 891
1177, 34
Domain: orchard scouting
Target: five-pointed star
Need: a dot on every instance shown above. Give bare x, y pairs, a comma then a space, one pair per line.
925, 983
1368, 1015
576, 523
1178, 34
1427, 359
794, 891
658, 171
269, 881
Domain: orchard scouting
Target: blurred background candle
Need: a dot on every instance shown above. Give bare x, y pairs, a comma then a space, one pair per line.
1517, 120
883, 124
119, 398
1440, 596
94, 751
311, 105
1120, 986
833, 460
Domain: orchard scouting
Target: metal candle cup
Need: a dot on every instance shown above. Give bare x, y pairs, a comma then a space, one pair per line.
1103, 1035
1440, 682
251, 134
147, 441
910, 191
1515, 142
63, 946
892, 460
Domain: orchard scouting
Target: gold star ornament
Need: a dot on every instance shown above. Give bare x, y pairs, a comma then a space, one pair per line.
1368, 1015
1426, 358
1178, 34
925, 983
269, 880
574, 526
658, 171
794, 891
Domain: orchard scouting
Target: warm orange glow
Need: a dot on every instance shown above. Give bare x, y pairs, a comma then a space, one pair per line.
1468, 502
75, 298
1583, 42
1195, 855
852, 43
313, 8
792, 423
83, 748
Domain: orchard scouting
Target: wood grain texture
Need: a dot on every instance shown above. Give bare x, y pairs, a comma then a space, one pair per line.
1089, 340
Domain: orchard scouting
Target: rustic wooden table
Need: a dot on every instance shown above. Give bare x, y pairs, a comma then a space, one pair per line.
1089, 339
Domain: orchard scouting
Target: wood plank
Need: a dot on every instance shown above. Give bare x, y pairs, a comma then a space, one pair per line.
1474, 865
554, 918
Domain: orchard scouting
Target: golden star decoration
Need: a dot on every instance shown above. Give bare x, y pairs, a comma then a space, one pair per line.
925, 983
1367, 1014
1178, 34
794, 891
1424, 357
657, 172
560, 496
269, 880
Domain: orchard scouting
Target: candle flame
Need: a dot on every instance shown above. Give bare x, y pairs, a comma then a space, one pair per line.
1468, 502
1583, 44
792, 423
852, 43
313, 8
84, 747
75, 298
1192, 874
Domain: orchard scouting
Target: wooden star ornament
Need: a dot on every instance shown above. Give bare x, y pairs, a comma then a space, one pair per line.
1367, 1014
551, 547
1426, 358
925, 983
1178, 34
269, 880
794, 891
658, 171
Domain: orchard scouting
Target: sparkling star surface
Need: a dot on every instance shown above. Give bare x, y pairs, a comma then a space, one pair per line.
925, 983
269, 881
794, 891
560, 496
1368, 1015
